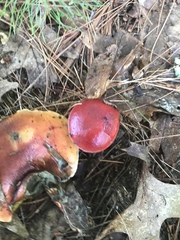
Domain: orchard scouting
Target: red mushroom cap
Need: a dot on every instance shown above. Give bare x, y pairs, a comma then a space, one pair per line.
93, 125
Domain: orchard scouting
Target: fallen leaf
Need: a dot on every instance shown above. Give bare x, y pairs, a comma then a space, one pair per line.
170, 145
122, 64
157, 128
14, 226
72, 52
155, 202
67, 48
102, 42
172, 32
155, 53
134, 110
137, 73
151, 100
138, 150
88, 38
38, 15
166, 101
177, 71
68, 199
177, 67
147, 4
124, 40
6, 86
49, 36
97, 80
23, 55
4, 38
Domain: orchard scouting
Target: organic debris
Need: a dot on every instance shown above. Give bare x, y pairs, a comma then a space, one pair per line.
98, 78
15, 226
125, 53
71, 204
21, 54
138, 151
6, 86
153, 204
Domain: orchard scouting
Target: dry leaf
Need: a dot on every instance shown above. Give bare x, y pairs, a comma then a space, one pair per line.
5, 86
161, 128
147, 4
122, 64
97, 80
124, 40
65, 196
72, 52
22, 55
4, 38
155, 202
137, 73
49, 36
68, 199
14, 226
157, 131
170, 145
38, 15
88, 38
169, 102
138, 150
172, 31
152, 100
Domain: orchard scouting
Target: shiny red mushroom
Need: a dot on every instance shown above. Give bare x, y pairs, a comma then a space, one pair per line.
32, 141
93, 125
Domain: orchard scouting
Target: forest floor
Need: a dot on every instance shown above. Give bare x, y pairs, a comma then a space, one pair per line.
128, 54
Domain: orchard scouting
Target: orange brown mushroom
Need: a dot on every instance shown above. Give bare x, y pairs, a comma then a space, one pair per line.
31, 142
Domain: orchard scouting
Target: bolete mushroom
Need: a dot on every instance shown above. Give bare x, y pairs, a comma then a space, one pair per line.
93, 125
32, 141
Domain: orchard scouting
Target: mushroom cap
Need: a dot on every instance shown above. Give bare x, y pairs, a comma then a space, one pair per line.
23, 151
5, 209
93, 125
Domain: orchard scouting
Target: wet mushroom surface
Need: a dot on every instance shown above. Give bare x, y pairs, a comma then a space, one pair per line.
93, 125
31, 142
